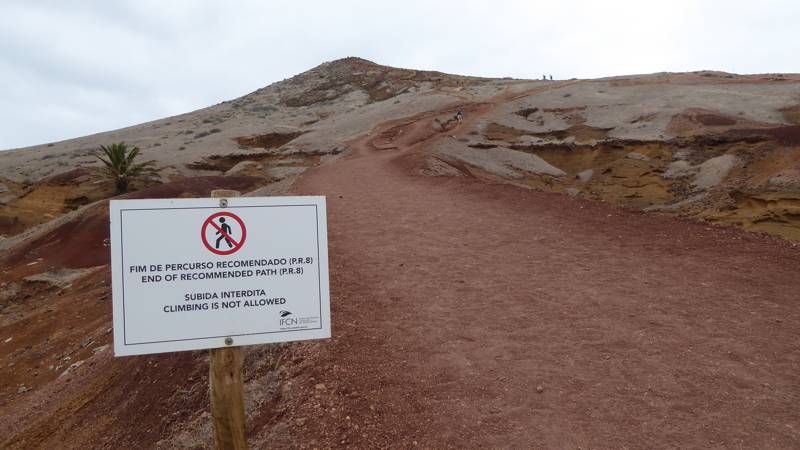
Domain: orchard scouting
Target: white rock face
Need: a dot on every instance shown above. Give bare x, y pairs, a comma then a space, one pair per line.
706, 175
500, 161
713, 171
644, 111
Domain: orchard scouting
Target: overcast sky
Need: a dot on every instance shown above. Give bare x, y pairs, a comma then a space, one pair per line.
70, 68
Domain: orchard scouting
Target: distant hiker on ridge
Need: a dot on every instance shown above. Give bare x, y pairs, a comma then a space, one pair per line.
459, 116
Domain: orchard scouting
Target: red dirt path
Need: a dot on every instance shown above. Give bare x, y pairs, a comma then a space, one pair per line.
471, 315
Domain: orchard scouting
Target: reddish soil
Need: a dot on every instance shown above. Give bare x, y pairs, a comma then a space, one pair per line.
699, 121
788, 135
469, 315
68, 178
106, 402
715, 120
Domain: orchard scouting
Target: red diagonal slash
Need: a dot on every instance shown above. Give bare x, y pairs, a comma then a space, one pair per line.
236, 245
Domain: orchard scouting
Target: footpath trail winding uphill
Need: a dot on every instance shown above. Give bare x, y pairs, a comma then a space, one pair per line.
471, 315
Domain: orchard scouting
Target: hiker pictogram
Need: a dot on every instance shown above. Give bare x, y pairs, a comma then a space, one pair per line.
223, 233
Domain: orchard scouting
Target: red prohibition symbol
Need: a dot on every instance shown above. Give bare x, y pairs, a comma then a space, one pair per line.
224, 244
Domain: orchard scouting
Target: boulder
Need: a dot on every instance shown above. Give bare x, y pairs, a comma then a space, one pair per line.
585, 176
501, 161
713, 171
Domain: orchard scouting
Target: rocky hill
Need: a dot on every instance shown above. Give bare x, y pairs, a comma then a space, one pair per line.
274, 133
711, 145
705, 146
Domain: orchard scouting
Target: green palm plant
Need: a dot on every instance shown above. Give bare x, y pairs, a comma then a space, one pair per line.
119, 166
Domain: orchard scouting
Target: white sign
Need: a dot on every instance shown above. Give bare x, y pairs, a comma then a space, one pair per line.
189, 274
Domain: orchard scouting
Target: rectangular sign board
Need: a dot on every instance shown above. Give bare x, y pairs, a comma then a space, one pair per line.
189, 274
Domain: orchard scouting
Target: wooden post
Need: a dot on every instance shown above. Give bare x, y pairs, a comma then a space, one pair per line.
226, 387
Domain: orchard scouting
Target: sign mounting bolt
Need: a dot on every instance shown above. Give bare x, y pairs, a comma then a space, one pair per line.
223, 202
228, 341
